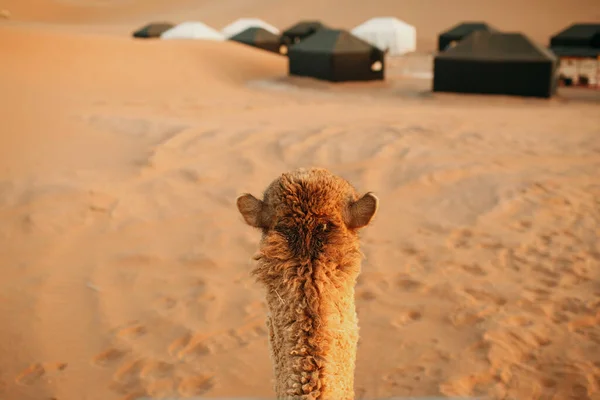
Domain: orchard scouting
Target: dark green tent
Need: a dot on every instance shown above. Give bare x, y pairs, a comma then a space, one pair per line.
578, 40
459, 32
300, 31
336, 55
496, 63
152, 30
258, 37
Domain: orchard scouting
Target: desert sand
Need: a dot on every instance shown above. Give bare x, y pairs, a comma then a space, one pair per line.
124, 264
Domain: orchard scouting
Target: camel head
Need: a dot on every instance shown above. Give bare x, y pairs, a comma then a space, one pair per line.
309, 260
308, 211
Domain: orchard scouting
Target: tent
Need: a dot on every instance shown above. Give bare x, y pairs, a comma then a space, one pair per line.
496, 63
336, 55
458, 32
300, 31
388, 33
578, 40
192, 30
152, 30
258, 37
242, 24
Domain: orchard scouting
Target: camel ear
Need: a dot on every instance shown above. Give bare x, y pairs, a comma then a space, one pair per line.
253, 210
362, 211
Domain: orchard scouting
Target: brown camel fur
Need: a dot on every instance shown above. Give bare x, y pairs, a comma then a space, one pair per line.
309, 260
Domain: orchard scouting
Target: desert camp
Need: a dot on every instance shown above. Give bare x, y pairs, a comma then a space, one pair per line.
317, 200
496, 63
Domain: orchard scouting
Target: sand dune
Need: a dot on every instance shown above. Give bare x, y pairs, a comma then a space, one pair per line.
125, 266
536, 18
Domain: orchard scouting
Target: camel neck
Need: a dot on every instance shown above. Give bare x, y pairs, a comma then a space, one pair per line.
313, 335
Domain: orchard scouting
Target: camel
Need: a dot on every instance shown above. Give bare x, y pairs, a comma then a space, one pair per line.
309, 261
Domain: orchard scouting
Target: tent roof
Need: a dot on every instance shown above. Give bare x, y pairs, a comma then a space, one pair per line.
332, 41
153, 29
191, 29
579, 31
302, 27
241, 24
465, 28
578, 35
572, 51
497, 46
255, 35
383, 24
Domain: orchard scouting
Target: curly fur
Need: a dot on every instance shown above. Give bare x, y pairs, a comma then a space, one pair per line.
308, 261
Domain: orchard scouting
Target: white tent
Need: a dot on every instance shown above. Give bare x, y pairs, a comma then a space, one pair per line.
242, 24
388, 33
192, 30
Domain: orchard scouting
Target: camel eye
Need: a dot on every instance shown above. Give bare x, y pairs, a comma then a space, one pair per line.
326, 227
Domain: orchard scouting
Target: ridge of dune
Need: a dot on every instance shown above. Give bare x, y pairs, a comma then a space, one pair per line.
55, 77
536, 18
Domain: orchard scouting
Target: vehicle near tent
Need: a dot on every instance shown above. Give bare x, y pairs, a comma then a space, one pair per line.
496, 63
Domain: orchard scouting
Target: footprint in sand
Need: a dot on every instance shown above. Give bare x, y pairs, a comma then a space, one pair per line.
366, 294
406, 317
464, 318
473, 269
548, 273
36, 371
249, 332
189, 347
462, 386
518, 321
195, 385
179, 344
31, 374
155, 369
460, 238
135, 395
144, 377
549, 283
166, 303
128, 373
198, 261
408, 284
108, 357
132, 331
162, 388
537, 293
485, 296
490, 244
206, 306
